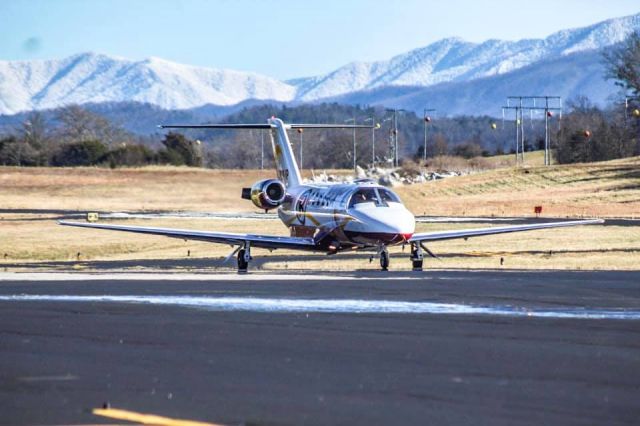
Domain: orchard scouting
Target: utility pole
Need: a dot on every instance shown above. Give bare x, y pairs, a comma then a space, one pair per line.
426, 120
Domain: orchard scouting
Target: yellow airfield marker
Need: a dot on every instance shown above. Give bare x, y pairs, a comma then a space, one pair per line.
146, 419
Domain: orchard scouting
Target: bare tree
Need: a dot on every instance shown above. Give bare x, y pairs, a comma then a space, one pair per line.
623, 64
79, 124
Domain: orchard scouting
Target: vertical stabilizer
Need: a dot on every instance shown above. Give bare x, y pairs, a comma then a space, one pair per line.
286, 165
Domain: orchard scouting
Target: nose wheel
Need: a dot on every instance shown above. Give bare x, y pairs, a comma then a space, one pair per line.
384, 259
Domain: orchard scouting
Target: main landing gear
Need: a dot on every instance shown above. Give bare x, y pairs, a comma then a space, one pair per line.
417, 258
244, 256
384, 259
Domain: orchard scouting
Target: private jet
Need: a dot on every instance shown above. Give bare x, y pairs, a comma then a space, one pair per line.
323, 217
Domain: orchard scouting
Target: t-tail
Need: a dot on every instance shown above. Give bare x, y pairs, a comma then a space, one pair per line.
286, 165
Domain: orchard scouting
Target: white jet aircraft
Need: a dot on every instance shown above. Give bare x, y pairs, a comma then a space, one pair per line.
325, 217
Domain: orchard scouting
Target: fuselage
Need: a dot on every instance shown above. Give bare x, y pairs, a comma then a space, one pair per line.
344, 216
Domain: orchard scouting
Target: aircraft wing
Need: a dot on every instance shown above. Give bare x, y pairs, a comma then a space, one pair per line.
261, 241
467, 233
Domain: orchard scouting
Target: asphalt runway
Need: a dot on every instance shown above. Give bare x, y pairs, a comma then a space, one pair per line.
263, 349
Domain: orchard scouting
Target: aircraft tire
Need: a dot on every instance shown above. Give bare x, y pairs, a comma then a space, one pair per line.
384, 260
417, 265
242, 263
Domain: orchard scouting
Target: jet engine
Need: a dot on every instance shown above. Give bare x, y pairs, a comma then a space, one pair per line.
266, 194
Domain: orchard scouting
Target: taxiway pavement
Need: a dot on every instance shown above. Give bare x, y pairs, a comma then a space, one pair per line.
60, 358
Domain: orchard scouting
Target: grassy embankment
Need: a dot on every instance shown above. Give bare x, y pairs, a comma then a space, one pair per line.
32, 239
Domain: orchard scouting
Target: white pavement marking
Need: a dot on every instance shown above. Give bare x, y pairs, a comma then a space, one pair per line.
351, 306
270, 216
253, 276
184, 215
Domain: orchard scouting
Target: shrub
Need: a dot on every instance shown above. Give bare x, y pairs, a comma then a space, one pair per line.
130, 155
84, 153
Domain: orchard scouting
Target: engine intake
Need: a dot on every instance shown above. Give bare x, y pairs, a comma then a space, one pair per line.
266, 194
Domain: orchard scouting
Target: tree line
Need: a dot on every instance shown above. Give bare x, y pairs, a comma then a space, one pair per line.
79, 137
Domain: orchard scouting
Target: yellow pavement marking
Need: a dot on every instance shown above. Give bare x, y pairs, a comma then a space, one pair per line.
146, 419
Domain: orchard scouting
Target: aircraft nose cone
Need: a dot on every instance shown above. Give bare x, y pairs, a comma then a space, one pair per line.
404, 223
392, 224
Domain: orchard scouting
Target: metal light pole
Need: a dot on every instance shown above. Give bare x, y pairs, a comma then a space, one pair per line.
521, 133
530, 106
261, 149
395, 133
390, 132
374, 127
355, 162
546, 134
300, 131
426, 119
395, 136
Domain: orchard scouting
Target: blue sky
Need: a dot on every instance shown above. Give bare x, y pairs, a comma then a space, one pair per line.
279, 38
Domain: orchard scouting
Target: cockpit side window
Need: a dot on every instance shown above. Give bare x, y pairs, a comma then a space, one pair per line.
388, 196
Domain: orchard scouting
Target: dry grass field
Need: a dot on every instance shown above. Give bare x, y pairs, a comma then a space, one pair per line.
607, 189
32, 198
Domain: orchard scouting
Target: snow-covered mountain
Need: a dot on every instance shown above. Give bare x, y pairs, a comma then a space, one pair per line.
454, 60
91, 77
579, 73
442, 69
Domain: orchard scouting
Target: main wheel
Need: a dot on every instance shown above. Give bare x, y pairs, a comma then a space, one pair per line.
417, 265
242, 263
384, 260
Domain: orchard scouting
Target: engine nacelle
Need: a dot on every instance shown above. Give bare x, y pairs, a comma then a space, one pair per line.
266, 194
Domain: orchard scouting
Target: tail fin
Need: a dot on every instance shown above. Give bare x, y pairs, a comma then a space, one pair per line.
286, 165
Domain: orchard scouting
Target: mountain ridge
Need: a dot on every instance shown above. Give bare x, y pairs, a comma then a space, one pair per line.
92, 77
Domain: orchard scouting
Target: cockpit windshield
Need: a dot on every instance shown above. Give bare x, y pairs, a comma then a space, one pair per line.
379, 196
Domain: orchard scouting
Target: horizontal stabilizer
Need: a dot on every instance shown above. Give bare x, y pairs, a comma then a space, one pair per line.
328, 126
216, 126
263, 126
